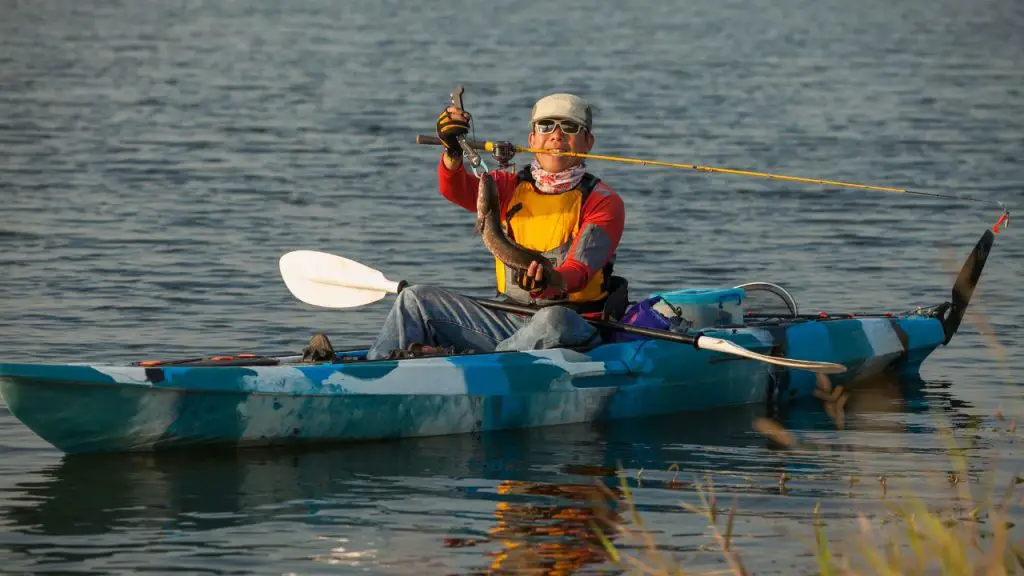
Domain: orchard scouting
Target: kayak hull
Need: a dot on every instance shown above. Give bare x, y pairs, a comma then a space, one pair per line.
106, 408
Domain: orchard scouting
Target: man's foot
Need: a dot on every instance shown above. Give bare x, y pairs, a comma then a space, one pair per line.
319, 349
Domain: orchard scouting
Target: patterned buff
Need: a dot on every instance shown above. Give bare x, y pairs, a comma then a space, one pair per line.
556, 182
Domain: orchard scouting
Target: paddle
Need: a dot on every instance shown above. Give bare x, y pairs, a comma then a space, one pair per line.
330, 281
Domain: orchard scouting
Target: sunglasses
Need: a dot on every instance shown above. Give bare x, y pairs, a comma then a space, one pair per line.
548, 126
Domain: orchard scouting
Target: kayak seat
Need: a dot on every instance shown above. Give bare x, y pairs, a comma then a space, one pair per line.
614, 308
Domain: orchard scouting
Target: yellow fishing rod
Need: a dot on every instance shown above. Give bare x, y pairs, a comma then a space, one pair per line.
504, 151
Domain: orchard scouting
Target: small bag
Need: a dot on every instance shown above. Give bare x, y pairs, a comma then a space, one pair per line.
645, 314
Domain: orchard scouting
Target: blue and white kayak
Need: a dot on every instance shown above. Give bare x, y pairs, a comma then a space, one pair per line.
266, 400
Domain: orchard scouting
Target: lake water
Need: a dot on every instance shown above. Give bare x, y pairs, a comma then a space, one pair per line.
158, 158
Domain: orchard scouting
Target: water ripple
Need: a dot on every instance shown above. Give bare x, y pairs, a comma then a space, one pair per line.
158, 159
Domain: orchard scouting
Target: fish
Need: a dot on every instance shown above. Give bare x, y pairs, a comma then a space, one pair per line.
488, 225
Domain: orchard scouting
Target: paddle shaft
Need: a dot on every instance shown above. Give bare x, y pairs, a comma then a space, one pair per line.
700, 342
323, 279
639, 330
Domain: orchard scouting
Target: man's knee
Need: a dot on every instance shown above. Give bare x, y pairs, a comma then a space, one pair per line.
561, 326
556, 316
418, 293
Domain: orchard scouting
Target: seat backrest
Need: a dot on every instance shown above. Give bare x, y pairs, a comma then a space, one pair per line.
765, 298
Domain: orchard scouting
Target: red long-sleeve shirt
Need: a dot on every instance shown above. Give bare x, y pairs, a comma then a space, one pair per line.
603, 210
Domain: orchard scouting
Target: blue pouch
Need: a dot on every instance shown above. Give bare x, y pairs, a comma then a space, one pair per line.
643, 314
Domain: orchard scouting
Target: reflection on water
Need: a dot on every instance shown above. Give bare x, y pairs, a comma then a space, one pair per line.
158, 157
553, 538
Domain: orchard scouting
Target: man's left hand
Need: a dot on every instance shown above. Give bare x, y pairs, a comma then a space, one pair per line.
533, 281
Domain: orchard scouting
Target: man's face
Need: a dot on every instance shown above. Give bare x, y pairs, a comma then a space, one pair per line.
548, 134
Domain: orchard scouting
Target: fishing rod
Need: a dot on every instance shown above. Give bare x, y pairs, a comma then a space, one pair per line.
504, 151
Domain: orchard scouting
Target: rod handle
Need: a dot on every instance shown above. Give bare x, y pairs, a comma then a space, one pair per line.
435, 141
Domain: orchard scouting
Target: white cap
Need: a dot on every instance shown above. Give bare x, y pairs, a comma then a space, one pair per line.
564, 107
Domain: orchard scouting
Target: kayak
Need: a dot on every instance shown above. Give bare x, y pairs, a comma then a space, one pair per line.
249, 400
259, 400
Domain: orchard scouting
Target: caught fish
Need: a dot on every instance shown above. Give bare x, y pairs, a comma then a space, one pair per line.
488, 225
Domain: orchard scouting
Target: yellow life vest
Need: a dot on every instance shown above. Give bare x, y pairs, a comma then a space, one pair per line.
548, 223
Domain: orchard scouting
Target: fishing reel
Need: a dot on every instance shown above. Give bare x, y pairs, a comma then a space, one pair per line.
503, 152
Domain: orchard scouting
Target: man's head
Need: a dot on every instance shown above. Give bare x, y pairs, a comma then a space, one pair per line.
561, 122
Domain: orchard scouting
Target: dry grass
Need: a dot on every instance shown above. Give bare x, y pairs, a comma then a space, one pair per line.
970, 536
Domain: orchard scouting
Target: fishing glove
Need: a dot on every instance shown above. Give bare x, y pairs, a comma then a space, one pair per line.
449, 129
538, 289
526, 282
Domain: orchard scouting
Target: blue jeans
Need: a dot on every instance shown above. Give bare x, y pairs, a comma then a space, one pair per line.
437, 317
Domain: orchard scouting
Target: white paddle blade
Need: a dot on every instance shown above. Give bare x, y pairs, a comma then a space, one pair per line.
330, 281
727, 347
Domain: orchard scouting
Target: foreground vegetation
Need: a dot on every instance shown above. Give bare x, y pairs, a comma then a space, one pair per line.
972, 534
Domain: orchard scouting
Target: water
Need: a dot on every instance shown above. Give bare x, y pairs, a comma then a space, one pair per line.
159, 157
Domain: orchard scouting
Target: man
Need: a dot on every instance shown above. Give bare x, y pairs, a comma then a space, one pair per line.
553, 206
